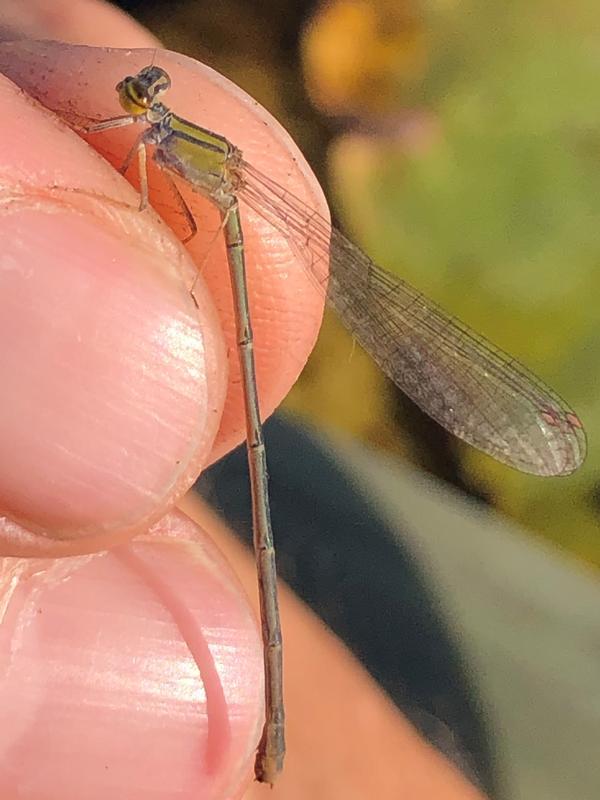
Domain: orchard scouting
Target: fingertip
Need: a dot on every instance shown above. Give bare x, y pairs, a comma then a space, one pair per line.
135, 671
285, 305
91, 22
113, 379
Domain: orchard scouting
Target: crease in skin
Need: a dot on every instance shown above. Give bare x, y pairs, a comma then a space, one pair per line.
218, 741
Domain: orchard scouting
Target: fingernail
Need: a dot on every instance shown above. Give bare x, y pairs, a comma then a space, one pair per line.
132, 673
109, 384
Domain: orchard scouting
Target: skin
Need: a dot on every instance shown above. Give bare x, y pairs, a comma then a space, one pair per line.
136, 671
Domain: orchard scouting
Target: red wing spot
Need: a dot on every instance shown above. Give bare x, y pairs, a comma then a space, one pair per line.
574, 421
550, 416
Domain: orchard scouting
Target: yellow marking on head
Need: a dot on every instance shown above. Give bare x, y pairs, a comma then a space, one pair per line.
139, 93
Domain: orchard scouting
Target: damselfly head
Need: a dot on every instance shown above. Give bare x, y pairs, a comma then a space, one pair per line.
139, 93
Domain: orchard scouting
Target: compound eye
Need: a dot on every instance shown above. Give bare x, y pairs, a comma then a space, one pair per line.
140, 93
133, 96
158, 81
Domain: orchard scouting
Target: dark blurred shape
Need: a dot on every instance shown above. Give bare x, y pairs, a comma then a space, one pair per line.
438, 450
342, 559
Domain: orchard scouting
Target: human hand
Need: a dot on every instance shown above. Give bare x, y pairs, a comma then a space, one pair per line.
138, 671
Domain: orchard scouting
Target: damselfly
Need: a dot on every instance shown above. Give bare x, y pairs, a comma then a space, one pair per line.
474, 390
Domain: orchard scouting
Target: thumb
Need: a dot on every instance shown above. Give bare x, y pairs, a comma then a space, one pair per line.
128, 674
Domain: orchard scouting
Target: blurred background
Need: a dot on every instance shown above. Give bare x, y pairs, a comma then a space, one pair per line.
459, 145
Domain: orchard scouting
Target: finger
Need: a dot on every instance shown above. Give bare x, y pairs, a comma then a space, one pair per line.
130, 674
343, 735
80, 21
112, 380
285, 307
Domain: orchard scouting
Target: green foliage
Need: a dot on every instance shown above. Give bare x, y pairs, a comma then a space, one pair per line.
488, 199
